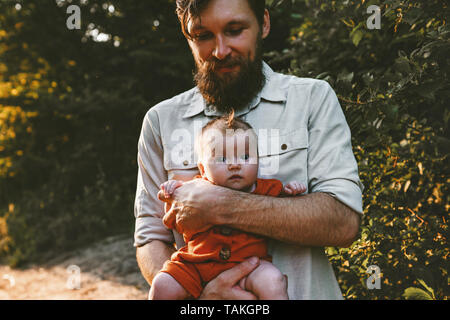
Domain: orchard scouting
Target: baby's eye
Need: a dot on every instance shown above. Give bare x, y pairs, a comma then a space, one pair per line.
221, 159
245, 157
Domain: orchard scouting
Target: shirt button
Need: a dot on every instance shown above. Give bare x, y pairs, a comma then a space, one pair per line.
283, 146
185, 162
225, 253
225, 231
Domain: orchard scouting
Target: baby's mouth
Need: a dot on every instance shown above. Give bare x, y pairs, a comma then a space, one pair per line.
235, 177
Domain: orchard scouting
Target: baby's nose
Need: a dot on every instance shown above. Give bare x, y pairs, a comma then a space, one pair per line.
234, 166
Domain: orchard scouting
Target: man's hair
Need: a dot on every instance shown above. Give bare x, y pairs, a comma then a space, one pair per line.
222, 125
191, 9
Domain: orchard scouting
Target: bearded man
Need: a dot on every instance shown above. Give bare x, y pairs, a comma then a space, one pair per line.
299, 119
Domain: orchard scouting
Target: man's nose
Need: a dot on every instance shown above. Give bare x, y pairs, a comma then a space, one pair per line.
222, 50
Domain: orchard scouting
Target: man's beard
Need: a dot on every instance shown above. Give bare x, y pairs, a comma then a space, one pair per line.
233, 91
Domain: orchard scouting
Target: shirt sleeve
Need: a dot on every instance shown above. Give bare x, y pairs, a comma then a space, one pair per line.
332, 167
148, 210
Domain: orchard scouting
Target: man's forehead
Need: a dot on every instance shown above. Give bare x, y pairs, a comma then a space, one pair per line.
197, 25
222, 12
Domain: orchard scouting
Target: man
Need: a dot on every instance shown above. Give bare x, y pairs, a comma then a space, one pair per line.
302, 122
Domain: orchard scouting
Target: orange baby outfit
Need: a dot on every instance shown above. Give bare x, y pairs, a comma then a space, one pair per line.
209, 253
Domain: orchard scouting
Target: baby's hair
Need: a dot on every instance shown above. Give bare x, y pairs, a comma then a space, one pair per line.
222, 124
228, 121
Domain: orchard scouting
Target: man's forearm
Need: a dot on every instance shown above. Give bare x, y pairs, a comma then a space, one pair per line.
315, 219
151, 258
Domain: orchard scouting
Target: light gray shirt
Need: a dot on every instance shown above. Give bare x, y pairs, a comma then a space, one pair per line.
302, 136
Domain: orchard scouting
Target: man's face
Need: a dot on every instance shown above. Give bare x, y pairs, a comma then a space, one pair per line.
226, 45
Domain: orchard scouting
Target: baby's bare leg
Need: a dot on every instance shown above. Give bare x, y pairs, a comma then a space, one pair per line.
165, 287
267, 282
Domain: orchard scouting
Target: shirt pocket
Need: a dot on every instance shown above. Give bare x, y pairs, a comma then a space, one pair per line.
180, 161
283, 155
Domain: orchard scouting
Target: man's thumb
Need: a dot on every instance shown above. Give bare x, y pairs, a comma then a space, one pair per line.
243, 269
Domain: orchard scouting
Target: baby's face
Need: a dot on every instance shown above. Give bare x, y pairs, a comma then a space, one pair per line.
231, 161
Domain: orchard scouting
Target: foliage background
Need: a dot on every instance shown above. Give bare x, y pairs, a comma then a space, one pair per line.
72, 103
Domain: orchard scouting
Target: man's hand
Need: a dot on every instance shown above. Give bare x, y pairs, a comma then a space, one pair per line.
190, 209
226, 285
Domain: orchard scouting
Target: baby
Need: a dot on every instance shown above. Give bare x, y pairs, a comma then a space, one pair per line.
229, 160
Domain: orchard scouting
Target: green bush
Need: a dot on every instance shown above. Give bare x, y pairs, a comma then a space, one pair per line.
393, 84
49, 221
71, 110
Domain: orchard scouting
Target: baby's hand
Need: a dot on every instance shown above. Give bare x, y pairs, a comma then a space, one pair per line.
169, 187
293, 188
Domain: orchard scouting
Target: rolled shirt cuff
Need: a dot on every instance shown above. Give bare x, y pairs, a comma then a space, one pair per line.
150, 228
346, 191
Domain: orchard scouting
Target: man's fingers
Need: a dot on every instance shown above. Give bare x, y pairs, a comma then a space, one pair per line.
241, 294
233, 275
226, 285
170, 217
169, 223
286, 280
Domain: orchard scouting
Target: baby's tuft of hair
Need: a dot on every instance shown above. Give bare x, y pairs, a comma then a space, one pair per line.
222, 124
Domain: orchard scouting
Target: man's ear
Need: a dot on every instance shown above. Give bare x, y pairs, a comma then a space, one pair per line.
266, 24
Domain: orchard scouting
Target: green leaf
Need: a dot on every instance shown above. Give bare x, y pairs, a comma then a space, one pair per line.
412, 15
345, 77
402, 65
427, 287
413, 293
356, 37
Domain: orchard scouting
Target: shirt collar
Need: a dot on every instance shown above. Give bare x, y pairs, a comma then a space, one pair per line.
270, 92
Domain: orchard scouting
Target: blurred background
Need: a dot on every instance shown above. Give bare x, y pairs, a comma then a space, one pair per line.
72, 104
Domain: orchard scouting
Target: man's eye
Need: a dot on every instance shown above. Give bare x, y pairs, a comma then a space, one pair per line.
202, 36
235, 32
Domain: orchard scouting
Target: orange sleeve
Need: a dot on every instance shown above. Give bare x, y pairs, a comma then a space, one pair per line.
269, 187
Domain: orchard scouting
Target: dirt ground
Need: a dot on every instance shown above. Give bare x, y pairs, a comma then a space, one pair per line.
104, 271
